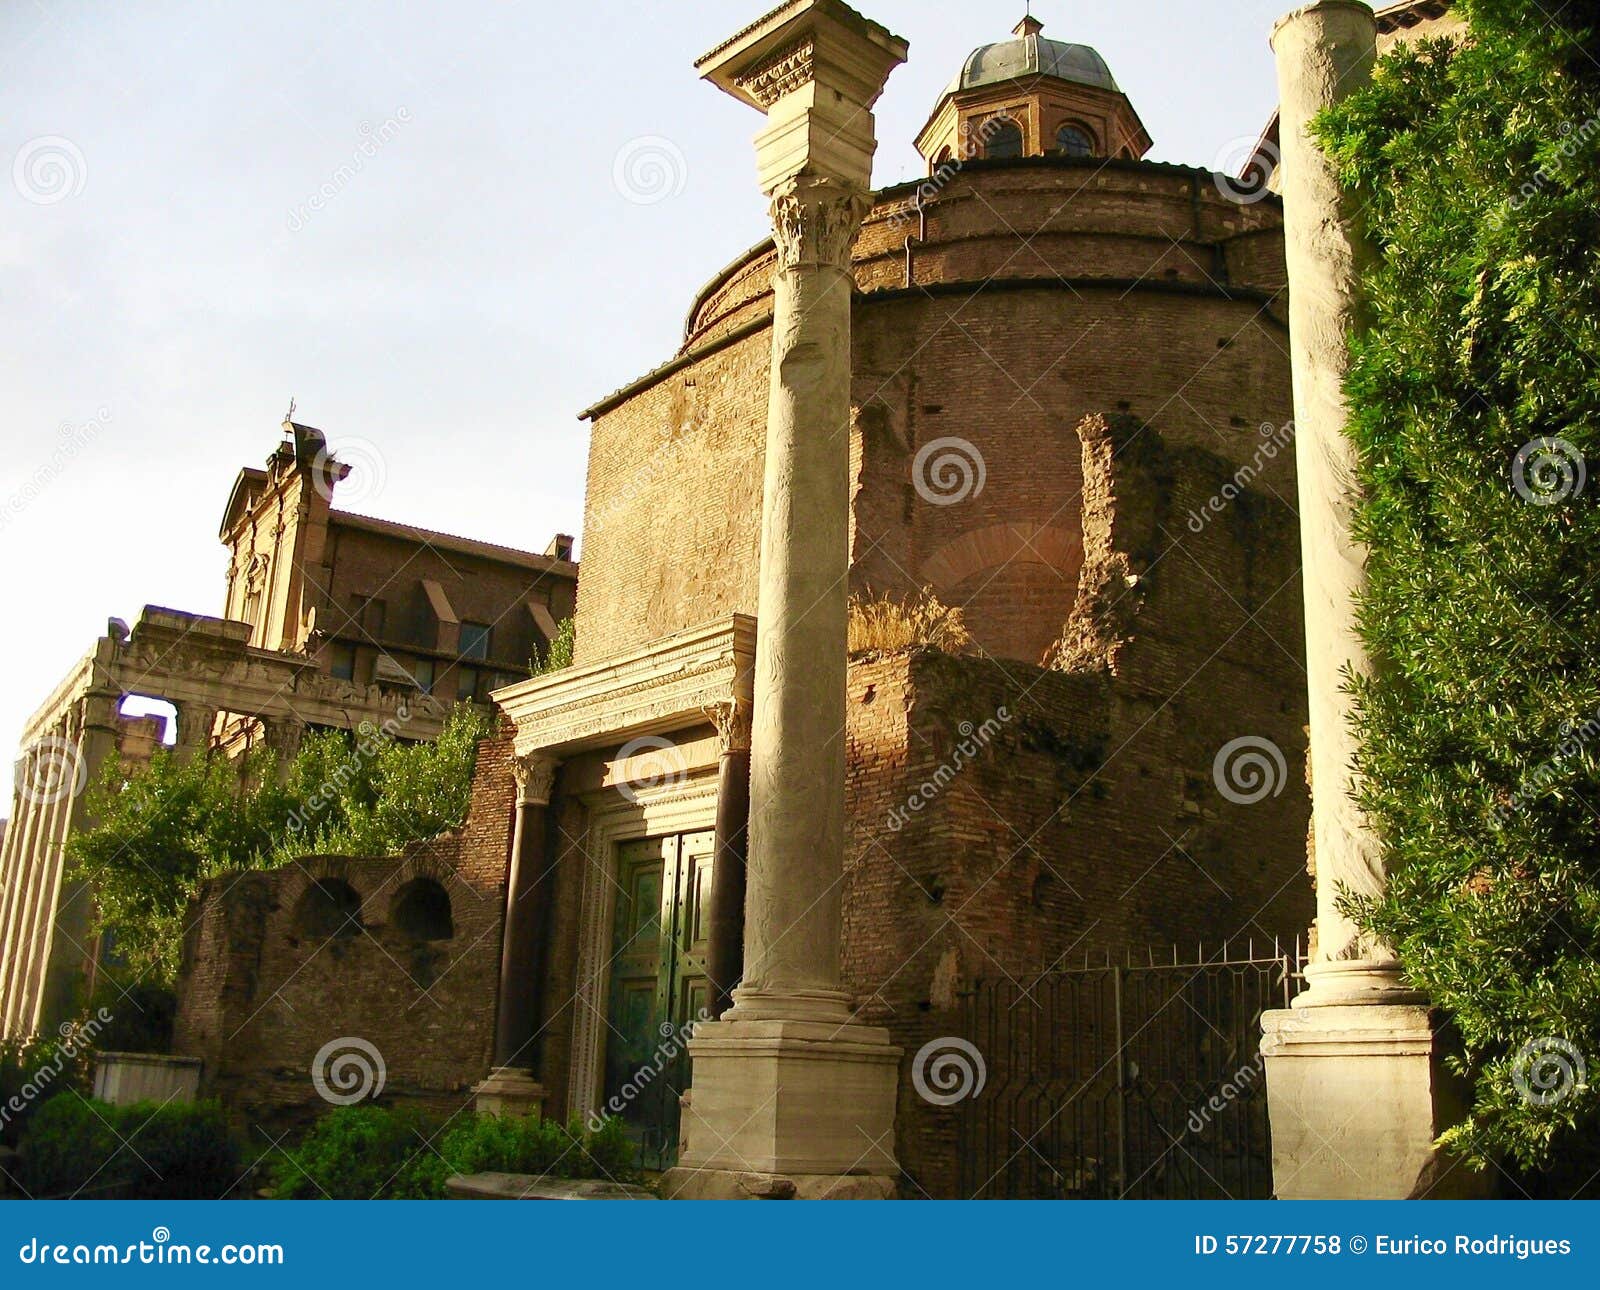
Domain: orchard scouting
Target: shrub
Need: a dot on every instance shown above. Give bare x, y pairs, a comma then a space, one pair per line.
363, 1152
558, 654
75, 1147
1475, 406
34, 1071
371, 1152
887, 625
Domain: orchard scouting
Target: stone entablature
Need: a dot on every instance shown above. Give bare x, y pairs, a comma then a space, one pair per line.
682, 680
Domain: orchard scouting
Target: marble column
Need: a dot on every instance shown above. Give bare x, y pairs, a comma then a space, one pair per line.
725, 954
815, 68
513, 1087
1357, 1085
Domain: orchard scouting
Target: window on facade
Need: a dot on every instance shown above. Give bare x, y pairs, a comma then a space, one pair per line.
474, 640
1074, 141
468, 681
1004, 139
342, 661
426, 672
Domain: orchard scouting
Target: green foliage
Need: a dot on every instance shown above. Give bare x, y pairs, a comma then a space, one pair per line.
1479, 168
363, 1152
558, 654
32, 1072
75, 1147
164, 830
370, 1152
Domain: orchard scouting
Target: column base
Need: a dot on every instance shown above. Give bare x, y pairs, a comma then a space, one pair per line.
509, 1090
1357, 1095
791, 1102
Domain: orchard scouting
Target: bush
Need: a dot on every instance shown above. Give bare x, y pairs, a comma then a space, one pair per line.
1475, 405
364, 1152
373, 1152
77, 1148
34, 1071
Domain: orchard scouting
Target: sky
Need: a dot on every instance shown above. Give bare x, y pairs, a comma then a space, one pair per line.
443, 229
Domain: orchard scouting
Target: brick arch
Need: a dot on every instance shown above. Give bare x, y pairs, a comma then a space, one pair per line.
977, 550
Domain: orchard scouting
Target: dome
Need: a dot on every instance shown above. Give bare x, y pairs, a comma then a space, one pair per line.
1031, 54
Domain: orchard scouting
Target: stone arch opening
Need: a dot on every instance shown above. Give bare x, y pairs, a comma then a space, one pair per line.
329, 907
1002, 139
421, 911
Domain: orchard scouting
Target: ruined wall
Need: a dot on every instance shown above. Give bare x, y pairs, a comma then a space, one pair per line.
1090, 817
260, 994
1141, 290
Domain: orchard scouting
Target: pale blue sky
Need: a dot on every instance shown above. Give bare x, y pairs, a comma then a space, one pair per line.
459, 297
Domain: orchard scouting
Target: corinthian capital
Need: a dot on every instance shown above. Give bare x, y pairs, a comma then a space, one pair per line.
815, 221
732, 718
535, 774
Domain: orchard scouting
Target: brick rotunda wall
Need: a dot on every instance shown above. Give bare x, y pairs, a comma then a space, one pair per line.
1088, 819
1139, 289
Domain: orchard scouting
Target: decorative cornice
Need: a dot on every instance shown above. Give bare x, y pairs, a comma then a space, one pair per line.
815, 222
781, 74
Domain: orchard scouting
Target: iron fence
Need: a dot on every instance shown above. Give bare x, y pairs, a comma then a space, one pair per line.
1130, 1080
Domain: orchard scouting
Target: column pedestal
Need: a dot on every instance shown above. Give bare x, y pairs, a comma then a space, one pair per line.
509, 1090
1358, 1094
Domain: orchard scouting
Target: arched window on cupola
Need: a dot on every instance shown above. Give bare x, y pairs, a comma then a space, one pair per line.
1002, 138
1072, 140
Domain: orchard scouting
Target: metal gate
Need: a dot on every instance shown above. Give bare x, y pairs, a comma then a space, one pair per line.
1139, 1080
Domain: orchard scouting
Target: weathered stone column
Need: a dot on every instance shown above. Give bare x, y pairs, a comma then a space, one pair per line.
513, 1087
725, 954
815, 67
1357, 1088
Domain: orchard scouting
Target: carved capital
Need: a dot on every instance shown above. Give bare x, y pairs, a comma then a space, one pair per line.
815, 222
732, 719
535, 774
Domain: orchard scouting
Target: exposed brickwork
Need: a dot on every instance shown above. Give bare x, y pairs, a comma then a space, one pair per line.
1088, 819
258, 997
1009, 367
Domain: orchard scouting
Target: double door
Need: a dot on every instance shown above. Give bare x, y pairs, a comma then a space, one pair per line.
659, 985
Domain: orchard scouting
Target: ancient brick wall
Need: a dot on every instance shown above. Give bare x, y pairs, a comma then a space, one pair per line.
260, 993
1007, 820
1143, 291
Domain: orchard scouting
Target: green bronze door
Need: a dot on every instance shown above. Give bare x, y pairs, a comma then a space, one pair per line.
658, 984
